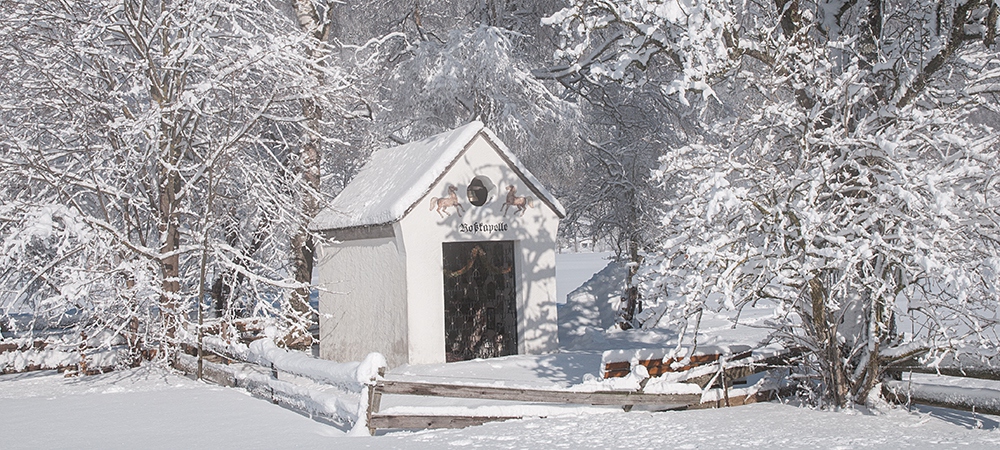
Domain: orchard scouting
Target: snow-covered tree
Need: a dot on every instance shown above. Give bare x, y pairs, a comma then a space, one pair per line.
149, 136
313, 19
428, 66
188, 143
849, 175
615, 199
473, 74
626, 123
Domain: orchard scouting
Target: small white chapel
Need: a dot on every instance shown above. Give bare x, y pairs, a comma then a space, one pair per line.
439, 250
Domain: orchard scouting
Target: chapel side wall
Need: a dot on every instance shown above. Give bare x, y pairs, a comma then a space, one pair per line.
539, 330
363, 302
534, 233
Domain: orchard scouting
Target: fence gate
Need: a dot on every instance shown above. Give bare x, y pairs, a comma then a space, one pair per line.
480, 310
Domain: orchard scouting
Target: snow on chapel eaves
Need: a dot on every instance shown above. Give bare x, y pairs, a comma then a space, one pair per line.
396, 178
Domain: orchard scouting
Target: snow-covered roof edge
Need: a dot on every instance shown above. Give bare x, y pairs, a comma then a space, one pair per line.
341, 214
440, 176
536, 186
394, 180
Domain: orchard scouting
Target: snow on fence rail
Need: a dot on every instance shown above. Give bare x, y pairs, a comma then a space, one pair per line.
708, 365
330, 390
969, 381
980, 372
619, 363
721, 365
27, 355
967, 398
335, 406
350, 376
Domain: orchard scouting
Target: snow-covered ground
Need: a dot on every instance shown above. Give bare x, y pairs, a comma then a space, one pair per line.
768, 425
150, 407
574, 269
145, 408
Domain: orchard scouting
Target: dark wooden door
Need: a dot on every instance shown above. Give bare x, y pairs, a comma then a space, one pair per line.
480, 310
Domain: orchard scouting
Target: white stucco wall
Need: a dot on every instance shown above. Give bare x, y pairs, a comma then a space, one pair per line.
423, 231
362, 300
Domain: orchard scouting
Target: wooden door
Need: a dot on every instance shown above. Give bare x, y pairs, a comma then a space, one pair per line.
480, 309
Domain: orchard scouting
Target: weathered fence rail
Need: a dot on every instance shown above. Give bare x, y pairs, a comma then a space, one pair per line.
982, 373
416, 422
606, 398
660, 366
978, 400
624, 399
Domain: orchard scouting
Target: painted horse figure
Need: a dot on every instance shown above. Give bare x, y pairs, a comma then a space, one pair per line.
442, 204
521, 203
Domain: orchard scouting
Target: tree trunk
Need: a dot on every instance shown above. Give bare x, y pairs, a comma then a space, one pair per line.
632, 299
307, 168
170, 237
826, 338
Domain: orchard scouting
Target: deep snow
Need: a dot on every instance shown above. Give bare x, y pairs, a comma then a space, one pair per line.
150, 407
574, 269
144, 408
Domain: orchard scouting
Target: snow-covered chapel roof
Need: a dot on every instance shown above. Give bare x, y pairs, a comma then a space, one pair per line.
395, 179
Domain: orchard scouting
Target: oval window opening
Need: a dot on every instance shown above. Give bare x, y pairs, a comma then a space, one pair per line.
478, 192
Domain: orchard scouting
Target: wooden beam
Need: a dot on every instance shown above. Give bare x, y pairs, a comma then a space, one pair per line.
737, 400
615, 398
902, 392
731, 374
982, 373
657, 367
382, 421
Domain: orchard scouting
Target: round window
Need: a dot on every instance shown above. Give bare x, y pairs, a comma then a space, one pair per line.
479, 190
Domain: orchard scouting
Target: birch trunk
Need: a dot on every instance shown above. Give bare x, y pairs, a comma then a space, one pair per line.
307, 168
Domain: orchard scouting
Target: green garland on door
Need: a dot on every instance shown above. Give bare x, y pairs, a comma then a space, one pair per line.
477, 252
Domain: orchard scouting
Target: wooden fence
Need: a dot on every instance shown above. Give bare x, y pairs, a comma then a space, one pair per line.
660, 366
706, 370
35, 355
624, 399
